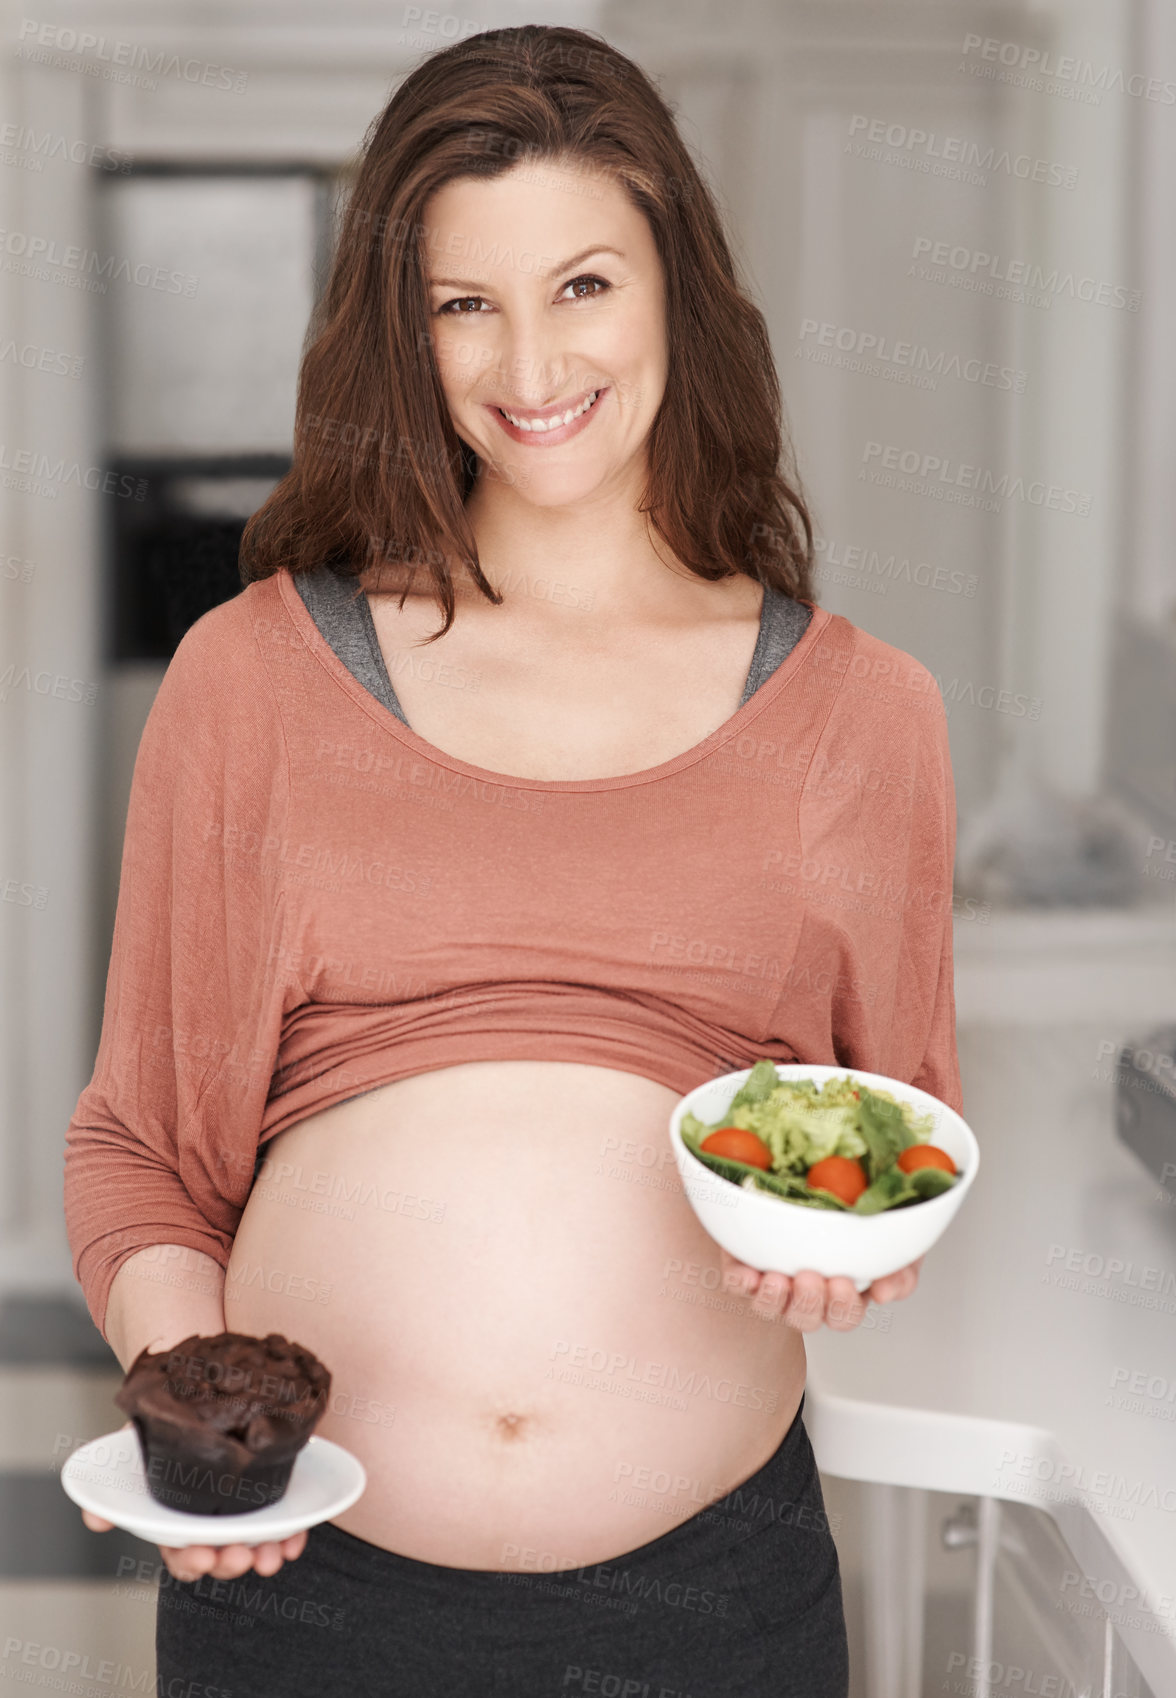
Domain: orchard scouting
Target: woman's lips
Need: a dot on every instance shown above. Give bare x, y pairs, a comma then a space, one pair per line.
549, 438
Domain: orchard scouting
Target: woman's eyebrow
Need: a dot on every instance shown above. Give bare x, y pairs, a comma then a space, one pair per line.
556, 270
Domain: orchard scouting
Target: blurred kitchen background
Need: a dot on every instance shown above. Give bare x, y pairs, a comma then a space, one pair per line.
959, 219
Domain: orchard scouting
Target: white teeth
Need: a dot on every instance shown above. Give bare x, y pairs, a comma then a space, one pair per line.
556, 421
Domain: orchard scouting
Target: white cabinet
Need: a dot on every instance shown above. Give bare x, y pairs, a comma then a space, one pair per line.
983, 1598
1050, 1633
980, 1597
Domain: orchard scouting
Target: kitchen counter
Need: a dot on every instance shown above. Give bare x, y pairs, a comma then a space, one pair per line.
1036, 1360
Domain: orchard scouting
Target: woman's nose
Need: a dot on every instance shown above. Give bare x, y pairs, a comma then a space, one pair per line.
532, 364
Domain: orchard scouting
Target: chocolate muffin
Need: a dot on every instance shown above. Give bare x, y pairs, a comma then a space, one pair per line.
221, 1417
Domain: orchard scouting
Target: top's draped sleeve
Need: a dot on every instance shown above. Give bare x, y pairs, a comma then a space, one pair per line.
161, 1146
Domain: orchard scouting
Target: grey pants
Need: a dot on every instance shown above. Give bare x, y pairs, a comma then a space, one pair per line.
741, 1601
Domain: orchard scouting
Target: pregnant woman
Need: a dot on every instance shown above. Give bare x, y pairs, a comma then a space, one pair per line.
523, 787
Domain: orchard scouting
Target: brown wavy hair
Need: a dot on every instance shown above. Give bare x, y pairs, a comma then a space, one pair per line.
375, 449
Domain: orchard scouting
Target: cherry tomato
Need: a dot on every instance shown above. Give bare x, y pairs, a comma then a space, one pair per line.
924, 1155
842, 1175
738, 1145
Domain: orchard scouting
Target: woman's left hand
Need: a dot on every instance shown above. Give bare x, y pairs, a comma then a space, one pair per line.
807, 1300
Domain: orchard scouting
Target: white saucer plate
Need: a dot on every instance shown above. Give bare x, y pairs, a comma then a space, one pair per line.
107, 1477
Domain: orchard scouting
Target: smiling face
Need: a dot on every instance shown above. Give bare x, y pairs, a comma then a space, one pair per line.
546, 289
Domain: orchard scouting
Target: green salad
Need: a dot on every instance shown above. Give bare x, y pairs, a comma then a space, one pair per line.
844, 1146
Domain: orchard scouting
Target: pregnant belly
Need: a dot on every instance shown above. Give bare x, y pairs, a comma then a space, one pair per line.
530, 1348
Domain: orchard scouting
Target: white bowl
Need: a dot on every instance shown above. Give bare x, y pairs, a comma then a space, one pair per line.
772, 1234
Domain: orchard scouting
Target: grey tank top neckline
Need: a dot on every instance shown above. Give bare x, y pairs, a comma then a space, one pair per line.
344, 618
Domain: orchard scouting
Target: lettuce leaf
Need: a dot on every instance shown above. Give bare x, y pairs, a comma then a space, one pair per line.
887, 1190
885, 1131
760, 1083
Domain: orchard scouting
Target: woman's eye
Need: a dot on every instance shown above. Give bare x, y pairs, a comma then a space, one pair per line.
588, 279
461, 302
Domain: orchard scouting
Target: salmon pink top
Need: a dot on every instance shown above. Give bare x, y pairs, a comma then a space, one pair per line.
315, 901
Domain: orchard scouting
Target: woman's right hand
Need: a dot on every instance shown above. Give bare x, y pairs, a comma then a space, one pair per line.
222, 1562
